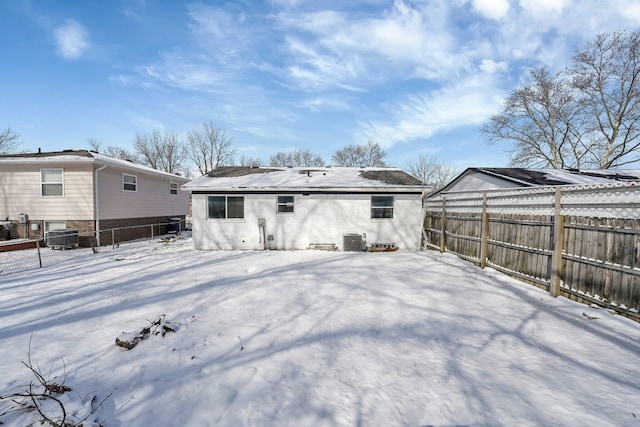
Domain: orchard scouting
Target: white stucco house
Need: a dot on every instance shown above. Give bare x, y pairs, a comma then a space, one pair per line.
258, 208
85, 191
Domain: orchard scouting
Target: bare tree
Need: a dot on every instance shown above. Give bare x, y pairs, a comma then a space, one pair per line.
250, 161
369, 155
210, 147
586, 116
94, 144
607, 73
296, 158
9, 141
165, 152
113, 151
543, 121
431, 172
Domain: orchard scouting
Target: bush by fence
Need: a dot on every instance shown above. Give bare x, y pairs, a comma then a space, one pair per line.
581, 242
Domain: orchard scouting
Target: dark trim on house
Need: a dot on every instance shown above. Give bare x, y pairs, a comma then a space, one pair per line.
303, 193
81, 153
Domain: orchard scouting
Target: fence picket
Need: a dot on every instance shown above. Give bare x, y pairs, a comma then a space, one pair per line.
601, 257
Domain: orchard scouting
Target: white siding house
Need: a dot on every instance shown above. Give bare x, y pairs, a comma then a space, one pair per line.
297, 208
84, 190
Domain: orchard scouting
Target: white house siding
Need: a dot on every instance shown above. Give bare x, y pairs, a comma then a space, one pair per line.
20, 193
318, 218
152, 198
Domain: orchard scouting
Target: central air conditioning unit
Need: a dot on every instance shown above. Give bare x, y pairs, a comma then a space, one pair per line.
63, 238
352, 243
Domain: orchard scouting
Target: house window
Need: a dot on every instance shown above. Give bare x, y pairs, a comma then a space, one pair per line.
129, 182
173, 188
54, 225
225, 207
285, 204
52, 182
382, 207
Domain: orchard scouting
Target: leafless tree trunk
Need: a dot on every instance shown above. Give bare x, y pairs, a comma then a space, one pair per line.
303, 158
9, 141
369, 155
544, 123
431, 172
210, 147
607, 73
112, 151
250, 161
164, 152
586, 116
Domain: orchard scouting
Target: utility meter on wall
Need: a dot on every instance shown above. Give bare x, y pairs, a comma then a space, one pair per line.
23, 218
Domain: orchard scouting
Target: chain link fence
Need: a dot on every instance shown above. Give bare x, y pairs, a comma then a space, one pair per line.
26, 254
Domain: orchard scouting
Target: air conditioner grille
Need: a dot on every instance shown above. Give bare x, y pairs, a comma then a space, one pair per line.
64, 238
352, 243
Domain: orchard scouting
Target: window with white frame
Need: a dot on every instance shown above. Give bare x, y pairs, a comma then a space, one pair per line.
129, 182
52, 182
173, 188
381, 207
285, 204
225, 207
54, 225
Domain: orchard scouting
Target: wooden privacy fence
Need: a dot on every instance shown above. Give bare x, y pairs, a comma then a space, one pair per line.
582, 242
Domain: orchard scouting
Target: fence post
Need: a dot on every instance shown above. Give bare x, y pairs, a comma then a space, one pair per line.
39, 255
113, 239
152, 231
558, 242
443, 227
484, 245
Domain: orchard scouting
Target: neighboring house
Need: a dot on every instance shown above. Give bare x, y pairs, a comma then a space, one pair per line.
477, 179
85, 191
305, 207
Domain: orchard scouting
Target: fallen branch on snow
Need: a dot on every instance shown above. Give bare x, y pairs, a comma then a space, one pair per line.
160, 326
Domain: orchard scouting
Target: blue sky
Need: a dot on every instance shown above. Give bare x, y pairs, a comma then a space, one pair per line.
416, 76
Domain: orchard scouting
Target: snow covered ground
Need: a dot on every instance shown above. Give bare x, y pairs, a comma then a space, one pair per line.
310, 338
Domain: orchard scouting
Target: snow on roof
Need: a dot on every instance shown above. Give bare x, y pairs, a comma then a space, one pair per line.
85, 156
545, 177
257, 178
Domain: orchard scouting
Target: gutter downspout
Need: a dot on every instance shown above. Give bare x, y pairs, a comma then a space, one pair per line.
96, 202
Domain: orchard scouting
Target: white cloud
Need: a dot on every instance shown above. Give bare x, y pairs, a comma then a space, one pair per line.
405, 40
468, 102
313, 69
326, 103
544, 8
491, 66
180, 70
71, 39
491, 9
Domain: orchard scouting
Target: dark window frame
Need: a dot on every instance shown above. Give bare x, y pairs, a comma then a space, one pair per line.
225, 207
285, 204
382, 207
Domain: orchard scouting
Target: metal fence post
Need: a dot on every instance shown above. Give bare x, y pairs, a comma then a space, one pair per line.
113, 239
39, 255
